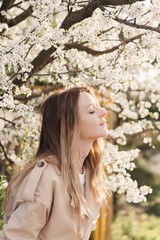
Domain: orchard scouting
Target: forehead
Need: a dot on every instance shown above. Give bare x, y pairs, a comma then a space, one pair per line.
86, 99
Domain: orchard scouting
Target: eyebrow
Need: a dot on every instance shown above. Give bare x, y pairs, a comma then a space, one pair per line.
91, 104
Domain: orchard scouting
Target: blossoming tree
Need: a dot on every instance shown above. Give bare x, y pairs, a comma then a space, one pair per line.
111, 45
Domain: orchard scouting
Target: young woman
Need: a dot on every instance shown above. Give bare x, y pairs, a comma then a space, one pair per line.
59, 194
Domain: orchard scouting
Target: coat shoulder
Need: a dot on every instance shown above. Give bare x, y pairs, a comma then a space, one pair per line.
38, 184
41, 176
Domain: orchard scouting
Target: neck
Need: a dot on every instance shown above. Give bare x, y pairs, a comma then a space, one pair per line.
84, 149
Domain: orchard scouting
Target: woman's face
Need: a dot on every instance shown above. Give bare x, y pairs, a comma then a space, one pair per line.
92, 124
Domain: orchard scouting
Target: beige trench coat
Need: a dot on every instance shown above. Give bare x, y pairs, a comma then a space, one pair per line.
43, 210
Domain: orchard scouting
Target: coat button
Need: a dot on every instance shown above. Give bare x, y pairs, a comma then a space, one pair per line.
40, 164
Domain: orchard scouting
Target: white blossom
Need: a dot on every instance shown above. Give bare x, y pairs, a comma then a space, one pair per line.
119, 180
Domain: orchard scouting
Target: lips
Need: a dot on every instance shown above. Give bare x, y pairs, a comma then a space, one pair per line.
102, 124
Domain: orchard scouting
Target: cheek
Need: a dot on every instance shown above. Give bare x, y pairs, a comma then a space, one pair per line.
88, 123
88, 127
83, 126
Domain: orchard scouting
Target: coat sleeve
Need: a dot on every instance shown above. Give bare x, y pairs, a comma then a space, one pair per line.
31, 207
26, 222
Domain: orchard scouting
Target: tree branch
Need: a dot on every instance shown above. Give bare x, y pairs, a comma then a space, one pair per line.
79, 15
135, 25
6, 4
21, 17
93, 52
87, 11
4, 152
42, 59
6, 120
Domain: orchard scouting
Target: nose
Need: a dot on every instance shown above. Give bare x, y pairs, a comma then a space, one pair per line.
102, 112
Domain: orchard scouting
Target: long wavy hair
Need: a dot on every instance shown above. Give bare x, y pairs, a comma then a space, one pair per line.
58, 135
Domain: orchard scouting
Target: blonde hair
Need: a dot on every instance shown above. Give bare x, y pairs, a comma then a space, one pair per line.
58, 138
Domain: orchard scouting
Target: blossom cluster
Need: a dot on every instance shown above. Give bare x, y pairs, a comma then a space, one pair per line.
129, 128
118, 164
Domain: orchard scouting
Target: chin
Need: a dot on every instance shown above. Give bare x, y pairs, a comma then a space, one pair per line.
105, 133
